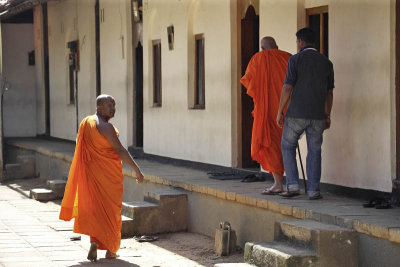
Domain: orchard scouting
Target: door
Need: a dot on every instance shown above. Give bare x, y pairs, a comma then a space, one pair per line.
46, 70
250, 37
398, 92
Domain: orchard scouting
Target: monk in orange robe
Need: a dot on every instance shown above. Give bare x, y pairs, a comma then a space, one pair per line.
264, 79
93, 194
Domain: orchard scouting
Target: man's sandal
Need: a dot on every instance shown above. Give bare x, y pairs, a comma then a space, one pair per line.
289, 194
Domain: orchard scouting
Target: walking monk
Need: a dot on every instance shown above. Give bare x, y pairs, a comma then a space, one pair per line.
264, 79
93, 195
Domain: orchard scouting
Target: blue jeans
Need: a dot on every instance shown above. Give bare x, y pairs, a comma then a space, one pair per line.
292, 131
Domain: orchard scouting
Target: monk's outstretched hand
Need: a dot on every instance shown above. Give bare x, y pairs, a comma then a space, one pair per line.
139, 177
280, 119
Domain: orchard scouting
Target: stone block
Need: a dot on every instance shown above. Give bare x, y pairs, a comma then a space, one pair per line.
335, 246
221, 242
13, 171
43, 194
279, 254
233, 265
145, 217
28, 165
58, 186
128, 227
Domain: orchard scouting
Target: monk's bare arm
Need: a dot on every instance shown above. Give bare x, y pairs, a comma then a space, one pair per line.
107, 130
285, 96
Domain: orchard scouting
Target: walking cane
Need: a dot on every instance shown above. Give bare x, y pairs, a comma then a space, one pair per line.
302, 169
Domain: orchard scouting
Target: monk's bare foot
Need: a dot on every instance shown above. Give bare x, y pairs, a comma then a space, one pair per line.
92, 255
277, 187
111, 255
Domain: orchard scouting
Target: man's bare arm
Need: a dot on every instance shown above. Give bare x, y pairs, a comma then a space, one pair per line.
285, 96
108, 131
328, 108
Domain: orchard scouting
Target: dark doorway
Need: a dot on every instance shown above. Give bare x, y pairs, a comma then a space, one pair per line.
249, 38
46, 69
139, 95
398, 90
317, 19
97, 37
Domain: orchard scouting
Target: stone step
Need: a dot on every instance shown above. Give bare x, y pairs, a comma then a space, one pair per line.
173, 208
279, 254
43, 194
164, 196
128, 227
233, 265
145, 218
28, 164
23, 168
58, 186
335, 246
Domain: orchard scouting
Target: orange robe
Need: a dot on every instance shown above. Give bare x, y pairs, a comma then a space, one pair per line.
263, 79
93, 194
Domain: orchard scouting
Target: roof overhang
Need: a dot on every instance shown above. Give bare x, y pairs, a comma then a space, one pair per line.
10, 8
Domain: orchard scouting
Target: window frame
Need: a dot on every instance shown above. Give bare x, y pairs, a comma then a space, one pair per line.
322, 11
198, 105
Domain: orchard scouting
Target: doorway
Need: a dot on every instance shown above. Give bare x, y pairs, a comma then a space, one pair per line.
397, 90
249, 40
137, 53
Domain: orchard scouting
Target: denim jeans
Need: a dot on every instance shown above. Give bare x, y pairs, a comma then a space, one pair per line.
293, 129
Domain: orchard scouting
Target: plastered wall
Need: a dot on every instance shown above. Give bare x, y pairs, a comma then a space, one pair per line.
20, 101
174, 130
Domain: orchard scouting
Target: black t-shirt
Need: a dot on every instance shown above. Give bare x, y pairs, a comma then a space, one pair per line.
311, 75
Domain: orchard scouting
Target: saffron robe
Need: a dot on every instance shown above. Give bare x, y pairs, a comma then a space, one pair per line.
263, 79
93, 194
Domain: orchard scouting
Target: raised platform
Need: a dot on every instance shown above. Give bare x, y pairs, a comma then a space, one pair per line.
242, 203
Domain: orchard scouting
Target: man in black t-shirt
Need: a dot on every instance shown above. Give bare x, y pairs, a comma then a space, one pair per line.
309, 85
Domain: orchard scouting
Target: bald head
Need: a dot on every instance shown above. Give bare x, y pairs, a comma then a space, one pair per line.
268, 43
101, 99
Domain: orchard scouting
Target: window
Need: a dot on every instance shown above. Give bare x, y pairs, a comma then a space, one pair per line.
199, 73
317, 19
157, 73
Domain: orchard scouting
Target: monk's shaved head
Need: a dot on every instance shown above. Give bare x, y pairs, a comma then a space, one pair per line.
101, 99
268, 43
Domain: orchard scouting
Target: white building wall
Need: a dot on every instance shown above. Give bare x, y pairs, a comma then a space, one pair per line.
173, 130
20, 101
116, 62
357, 149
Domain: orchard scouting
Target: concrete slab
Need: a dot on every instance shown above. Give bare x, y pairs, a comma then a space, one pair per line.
43, 194
279, 254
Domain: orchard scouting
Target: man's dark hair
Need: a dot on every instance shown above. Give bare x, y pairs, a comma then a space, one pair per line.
307, 35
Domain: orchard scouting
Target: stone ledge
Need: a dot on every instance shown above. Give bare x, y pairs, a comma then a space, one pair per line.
391, 233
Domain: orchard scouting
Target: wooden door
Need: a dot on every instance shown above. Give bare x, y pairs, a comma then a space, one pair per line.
249, 38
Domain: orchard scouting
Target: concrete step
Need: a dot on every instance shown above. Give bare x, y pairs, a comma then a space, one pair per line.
57, 186
23, 168
334, 245
128, 227
279, 254
164, 196
173, 208
233, 265
43, 194
145, 218
28, 164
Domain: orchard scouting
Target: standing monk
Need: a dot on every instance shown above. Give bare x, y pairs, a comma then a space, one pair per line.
93, 195
263, 79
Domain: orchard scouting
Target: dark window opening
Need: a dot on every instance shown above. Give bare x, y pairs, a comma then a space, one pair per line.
199, 71
317, 19
157, 86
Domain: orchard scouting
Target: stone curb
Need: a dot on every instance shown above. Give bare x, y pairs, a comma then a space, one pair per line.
390, 233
